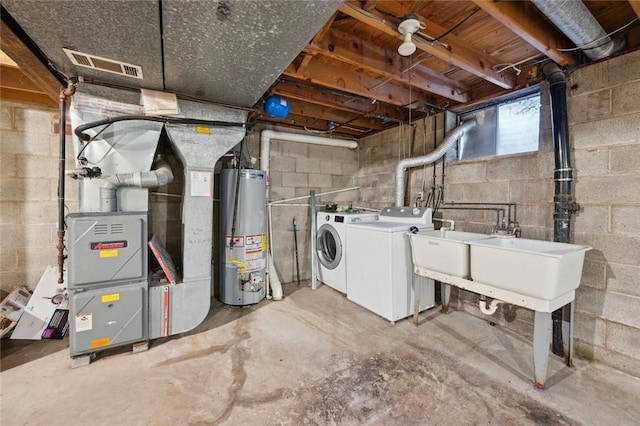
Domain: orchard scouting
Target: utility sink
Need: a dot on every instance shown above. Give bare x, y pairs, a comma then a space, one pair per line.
541, 269
443, 251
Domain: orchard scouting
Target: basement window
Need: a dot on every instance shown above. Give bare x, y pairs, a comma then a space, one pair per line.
510, 127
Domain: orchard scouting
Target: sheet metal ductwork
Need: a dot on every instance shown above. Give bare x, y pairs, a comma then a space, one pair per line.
576, 22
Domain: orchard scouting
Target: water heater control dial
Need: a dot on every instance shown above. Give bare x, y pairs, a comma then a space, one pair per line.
416, 211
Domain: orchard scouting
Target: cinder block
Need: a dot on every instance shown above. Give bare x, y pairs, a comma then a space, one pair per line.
624, 279
341, 182
6, 116
24, 190
282, 164
590, 301
531, 191
9, 164
295, 149
275, 179
294, 179
590, 106
35, 260
608, 190
618, 130
622, 308
592, 219
282, 193
478, 192
382, 152
611, 248
34, 120
18, 142
9, 212
11, 280
591, 162
623, 339
546, 165
613, 72
626, 98
616, 360
317, 180
21, 236
331, 167
463, 173
38, 212
535, 214
306, 165
593, 274
583, 349
624, 159
625, 220
343, 154
350, 168
589, 329
512, 167
8, 260
35, 166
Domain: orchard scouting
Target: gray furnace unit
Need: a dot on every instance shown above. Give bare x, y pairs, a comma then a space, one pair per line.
243, 234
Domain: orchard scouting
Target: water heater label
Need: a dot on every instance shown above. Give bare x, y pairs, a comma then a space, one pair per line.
84, 322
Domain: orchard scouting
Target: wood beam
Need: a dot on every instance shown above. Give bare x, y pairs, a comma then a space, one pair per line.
299, 121
521, 19
329, 114
14, 78
345, 80
458, 54
635, 5
373, 58
24, 96
292, 90
20, 53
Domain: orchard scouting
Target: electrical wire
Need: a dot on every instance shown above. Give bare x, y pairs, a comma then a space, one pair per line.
91, 140
588, 46
456, 26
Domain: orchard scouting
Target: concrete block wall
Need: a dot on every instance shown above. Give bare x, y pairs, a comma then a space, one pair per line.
296, 169
29, 145
604, 119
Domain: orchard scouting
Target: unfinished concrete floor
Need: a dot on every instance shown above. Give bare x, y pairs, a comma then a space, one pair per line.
317, 358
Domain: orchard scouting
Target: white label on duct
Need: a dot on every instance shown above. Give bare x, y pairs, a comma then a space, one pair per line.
84, 322
159, 103
201, 184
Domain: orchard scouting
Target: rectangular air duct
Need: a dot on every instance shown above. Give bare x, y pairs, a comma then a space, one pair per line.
103, 64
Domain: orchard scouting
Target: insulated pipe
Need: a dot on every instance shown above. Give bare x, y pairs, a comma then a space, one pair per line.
265, 151
162, 175
576, 22
64, 94
432, 157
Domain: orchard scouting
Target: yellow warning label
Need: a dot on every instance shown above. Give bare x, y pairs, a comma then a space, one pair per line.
203, 129
113, 297
108, 253
264, 242
98, 343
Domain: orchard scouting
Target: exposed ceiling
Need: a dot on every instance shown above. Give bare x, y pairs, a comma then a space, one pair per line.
336, 63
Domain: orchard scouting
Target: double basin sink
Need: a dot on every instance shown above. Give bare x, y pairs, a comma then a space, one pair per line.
543, 270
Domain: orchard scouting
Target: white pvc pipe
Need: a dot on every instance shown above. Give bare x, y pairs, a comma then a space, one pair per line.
492, 308
265, 151
432, 157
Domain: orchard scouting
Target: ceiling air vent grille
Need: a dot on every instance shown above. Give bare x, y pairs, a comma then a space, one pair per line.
103, 64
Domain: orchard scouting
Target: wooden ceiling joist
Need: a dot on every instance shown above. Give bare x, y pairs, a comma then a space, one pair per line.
30, 65
529, 26
352, 82
374, 59
635, 5
292, 90
328, 114
459, 53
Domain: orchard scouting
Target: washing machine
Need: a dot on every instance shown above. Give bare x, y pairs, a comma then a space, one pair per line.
379, 265
331, 245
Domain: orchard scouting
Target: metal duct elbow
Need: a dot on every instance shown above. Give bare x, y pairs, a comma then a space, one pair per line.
576, 22
161, 176
432, 157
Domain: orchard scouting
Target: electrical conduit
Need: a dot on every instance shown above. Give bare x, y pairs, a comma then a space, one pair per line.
265, 152
432, 157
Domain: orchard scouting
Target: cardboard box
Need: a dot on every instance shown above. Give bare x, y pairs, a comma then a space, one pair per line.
13, 305
42, 306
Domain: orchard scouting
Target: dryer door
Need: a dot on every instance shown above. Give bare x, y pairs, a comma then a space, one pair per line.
329, 246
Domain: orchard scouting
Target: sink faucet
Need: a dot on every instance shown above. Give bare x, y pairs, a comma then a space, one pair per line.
512, 229
443, 229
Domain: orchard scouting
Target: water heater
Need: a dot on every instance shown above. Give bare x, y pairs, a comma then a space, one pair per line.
243, 236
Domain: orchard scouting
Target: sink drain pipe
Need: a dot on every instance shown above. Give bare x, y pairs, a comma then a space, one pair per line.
564, 204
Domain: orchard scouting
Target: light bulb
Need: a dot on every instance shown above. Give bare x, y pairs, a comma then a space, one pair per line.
407, 48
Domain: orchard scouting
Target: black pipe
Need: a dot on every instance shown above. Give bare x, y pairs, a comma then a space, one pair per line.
564, 205
61, 176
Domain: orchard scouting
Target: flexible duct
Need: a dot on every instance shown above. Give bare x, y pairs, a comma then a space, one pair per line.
265, 152
162, 175
432, 157
576, 22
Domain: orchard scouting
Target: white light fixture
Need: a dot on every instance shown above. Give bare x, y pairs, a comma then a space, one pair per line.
408, 27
